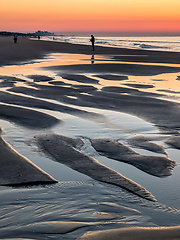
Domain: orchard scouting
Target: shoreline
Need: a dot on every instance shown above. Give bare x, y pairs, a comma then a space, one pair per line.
28, 49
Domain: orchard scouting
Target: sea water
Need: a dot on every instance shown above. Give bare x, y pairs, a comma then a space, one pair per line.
163, 43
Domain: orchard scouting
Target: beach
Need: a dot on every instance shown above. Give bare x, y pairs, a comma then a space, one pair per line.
89, 141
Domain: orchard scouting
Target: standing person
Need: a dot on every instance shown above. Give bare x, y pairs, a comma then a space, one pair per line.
92, 41
15, 38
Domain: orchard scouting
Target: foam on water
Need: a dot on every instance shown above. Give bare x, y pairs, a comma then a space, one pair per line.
166, 43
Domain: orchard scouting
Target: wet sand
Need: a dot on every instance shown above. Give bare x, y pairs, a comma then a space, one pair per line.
17, 170
29, 100
10, 52
135, 233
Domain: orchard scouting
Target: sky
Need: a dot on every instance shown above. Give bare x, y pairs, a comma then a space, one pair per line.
90, 15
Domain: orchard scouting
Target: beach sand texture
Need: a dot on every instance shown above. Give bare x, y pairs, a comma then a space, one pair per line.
47, 88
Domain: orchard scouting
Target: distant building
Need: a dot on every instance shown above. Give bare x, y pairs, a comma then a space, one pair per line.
38, 33
43, 33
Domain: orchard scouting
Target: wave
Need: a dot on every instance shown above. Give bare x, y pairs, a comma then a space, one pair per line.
147, 46
151, 43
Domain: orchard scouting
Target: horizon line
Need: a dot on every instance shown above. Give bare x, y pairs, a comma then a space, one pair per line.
118, 33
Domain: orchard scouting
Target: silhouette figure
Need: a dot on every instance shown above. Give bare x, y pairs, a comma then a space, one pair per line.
92, 41
15, 38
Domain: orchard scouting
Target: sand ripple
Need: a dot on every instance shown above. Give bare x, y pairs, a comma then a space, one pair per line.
171, 233
155, 165
67, 151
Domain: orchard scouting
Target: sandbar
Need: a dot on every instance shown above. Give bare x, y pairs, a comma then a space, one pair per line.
16, 170
67, 151
134, 233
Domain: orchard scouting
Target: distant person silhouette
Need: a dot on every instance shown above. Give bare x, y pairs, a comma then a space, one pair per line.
15, 37
39, 37
92, 41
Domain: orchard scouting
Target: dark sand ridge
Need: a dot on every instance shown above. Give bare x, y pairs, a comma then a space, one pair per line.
116, 208
139, 85
31, 118
17, 170
174, 141
112, 77
27, 49
168, 91
135, 233
26, 117
53, 227
67, 151
40, 78
134, 69
49, 227
53, 91
79, 78
145, 143
154, 165
164, 114
9, 81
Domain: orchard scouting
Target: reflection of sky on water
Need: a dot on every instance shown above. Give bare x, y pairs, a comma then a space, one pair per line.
76, 127
165, 84
119, 126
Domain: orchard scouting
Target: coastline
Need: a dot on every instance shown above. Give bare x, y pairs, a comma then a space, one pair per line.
27, 49
163, 114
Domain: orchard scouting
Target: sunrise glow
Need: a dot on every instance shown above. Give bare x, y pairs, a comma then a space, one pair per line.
94, 15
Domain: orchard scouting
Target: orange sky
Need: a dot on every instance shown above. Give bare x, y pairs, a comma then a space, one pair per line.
90, 15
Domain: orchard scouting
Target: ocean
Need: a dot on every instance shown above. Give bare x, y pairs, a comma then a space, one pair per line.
147, 43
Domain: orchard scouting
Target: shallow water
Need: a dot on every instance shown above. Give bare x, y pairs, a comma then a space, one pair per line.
77, 197
163, 43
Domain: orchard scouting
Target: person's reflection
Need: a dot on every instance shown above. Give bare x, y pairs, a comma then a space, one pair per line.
92, 59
